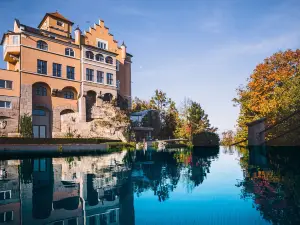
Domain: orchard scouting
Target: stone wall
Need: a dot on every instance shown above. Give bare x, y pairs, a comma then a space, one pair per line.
109, 123
9, 118
26, 99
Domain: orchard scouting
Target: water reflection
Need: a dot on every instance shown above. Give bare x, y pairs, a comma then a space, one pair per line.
160, 171
67, 191
132, 187
272, 180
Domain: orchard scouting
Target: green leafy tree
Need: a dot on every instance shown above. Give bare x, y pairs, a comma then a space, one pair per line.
193, 120
26, 126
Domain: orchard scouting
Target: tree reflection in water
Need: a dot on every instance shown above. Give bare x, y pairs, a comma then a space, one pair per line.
272, 180
160, 171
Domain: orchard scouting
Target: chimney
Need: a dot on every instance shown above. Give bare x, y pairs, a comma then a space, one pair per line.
123, 52
77, 35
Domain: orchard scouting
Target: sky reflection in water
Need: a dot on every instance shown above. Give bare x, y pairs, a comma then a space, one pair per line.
204, 186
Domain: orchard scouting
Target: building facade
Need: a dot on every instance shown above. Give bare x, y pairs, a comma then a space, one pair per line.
49, 73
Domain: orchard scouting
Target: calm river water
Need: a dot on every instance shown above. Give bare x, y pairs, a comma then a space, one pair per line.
178, 186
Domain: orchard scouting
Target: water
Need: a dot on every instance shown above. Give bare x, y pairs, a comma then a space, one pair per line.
206, 186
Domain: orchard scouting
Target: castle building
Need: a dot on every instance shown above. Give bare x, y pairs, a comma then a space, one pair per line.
51, 73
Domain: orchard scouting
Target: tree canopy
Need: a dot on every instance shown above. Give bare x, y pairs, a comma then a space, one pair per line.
272, 92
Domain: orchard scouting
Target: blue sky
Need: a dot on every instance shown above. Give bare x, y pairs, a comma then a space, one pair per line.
194, 48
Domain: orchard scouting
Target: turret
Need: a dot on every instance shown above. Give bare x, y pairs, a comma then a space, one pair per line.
123, 52
77, 35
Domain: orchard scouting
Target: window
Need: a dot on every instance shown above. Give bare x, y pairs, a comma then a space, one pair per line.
118, 65
89, 55
5, 195
41, 66
59, 23
15, 39
92, 220
70, 72
69, 94
6, 216
118, 84
39, 131
6, 84
69, 52
41, 90
56, 70
99, 57
72, 221
38, 112
89, 74
103, 219
100, 77
5, 104
109, 78
39, 165
112, 216
109, 60
42, 45
102, 44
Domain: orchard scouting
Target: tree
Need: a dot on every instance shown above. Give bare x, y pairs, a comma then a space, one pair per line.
194, 120
267, 93
140, 105
227, 138
167, 112
26, 126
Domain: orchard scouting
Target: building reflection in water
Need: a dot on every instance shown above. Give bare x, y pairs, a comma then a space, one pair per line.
67, 191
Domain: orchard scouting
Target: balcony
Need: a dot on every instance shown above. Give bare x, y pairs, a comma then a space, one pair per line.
11, 49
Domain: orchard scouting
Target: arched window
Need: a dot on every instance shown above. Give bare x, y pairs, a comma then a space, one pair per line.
109, 60
99, 57
41, 91
42, 45
38, 112
89, 55
69, 94
69, 52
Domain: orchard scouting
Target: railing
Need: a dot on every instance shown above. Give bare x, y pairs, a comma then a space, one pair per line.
270, 127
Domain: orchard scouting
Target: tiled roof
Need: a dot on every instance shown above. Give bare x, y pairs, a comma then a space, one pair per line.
59, 16
56, 15
41, 32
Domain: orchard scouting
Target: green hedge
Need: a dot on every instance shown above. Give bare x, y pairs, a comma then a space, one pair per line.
47, 141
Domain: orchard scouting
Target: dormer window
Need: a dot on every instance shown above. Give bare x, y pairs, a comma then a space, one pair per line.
59, 23
102, 44
42, 45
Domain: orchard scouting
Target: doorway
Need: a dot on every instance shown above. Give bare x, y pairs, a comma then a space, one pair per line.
39, 131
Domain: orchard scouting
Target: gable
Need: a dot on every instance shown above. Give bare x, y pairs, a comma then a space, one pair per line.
101, 33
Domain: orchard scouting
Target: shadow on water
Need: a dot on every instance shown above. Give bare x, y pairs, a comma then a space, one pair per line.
272, 181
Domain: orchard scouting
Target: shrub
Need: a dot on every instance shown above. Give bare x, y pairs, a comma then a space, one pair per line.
26, 126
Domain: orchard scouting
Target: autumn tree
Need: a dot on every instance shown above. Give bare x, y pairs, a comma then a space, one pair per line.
271, 91
139, 105
227, 138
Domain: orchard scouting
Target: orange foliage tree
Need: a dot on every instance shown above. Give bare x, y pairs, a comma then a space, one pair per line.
265, 94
